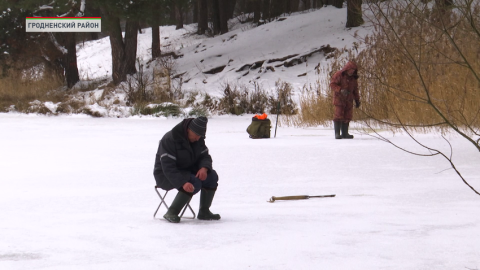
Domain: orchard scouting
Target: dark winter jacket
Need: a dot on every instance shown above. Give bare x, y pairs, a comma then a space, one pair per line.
177, 158
340, 80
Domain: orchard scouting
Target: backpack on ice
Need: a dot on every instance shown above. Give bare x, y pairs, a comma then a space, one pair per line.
260, 127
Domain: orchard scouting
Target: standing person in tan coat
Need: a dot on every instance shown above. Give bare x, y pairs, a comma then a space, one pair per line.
345, 90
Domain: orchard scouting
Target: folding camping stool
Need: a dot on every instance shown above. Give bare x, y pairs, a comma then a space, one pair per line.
162, 201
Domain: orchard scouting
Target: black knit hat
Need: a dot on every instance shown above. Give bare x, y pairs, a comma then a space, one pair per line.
199, 126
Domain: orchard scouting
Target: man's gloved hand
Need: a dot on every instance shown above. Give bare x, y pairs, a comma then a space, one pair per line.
357, 103
345, 92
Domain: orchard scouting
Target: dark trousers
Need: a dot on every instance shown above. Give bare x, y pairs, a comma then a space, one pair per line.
343, 113
210, 183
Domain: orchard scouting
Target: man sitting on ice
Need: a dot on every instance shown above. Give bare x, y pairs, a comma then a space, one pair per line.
183, 162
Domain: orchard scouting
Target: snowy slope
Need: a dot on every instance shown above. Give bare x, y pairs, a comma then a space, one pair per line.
297, 34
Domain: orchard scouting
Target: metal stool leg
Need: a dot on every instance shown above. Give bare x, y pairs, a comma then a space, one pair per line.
162, 201
191, 210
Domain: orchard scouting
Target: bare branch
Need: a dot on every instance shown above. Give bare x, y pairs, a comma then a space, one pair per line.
56, 44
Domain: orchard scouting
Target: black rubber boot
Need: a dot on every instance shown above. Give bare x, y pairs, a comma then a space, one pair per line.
337, 126
206, 198
177, 205
345, 134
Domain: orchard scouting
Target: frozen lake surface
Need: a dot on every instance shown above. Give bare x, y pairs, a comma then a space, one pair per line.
78, 193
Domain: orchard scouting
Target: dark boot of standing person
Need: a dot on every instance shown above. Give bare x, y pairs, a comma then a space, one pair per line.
206, 198
337, 126
177, 205
345, 134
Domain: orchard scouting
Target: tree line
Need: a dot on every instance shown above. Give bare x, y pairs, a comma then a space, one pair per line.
56, 52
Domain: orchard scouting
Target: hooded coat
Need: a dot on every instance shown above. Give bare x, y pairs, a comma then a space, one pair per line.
177, 158
340, 80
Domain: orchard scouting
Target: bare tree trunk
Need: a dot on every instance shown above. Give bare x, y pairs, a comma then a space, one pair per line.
178, 16
294, 5
306, 4
124, 53
266, 10
94, 35
288, 6
249, 5
156, 50
215, 17
70, 60
92, 12
230, 8
171, 13
131, 35
202, 16
257, 7
219, 17
354, 13
278, 7
61, 52
223, 8
338, 3
335, 3
195, 11
118, 50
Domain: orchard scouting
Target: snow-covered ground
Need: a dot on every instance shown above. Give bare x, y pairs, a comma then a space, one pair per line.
77, 193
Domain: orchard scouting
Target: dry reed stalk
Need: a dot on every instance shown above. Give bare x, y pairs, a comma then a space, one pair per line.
421, 71
18, 89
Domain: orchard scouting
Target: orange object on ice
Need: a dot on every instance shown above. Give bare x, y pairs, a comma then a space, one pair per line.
261, 117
